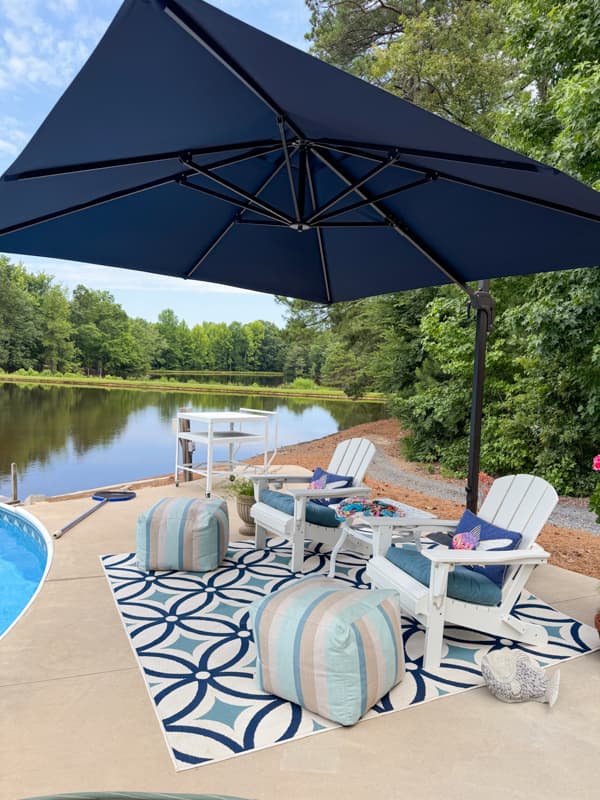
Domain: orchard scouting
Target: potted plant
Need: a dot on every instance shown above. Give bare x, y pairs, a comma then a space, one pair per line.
243, 489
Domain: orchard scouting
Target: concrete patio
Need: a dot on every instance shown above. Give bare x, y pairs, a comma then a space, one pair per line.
76, 715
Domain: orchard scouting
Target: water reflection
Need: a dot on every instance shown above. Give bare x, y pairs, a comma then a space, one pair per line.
66, 438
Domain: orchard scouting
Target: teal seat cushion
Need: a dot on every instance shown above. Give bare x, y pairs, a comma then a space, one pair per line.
463, 584
315, 513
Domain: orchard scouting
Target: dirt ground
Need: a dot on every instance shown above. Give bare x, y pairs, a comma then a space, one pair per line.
572, 549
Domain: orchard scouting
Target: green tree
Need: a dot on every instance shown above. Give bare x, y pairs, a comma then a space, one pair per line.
167, 327
239, 346
272, 348
57, 346
295, 364
220, 346
444, 56
101, 332
149, 341
556, 115
20, 338
199, 347
345, 32
255, 334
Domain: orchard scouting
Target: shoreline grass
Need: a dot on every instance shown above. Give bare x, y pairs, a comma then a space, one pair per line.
191, 387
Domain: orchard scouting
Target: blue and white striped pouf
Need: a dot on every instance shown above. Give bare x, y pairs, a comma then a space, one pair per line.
184, 534
333, 649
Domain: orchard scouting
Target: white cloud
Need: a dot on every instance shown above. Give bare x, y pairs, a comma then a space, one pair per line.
44, 44
12, 136
71, 273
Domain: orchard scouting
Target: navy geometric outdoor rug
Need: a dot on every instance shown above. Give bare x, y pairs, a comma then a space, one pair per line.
190, 633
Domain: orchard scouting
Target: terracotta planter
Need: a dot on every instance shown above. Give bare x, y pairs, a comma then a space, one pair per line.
244, 504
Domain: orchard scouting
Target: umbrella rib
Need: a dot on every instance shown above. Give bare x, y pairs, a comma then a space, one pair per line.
90, 166
352, 151
316, 215
470, 183
398, 226
232, 200
97, 201
320, 241
502, 163
232, 187
362, 203
262, 222
357, 224
302, 180
188, 24
536, 201
256, 153
288, 163
317, 225
217, 240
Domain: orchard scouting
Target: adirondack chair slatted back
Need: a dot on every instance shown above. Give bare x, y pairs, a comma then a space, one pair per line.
520, 503
352, 457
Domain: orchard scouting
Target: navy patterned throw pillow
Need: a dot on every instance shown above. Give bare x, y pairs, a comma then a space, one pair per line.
327, 480
491, 537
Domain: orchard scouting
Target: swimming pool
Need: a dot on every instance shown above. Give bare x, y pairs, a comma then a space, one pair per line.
25, 556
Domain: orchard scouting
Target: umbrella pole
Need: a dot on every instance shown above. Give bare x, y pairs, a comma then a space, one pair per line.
484, 303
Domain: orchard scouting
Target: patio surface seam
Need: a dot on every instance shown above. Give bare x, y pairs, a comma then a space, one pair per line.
69, 677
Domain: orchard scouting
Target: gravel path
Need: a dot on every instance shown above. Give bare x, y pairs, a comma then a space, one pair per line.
569, 513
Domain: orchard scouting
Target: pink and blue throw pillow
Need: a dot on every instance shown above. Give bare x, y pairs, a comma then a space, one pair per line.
472, 530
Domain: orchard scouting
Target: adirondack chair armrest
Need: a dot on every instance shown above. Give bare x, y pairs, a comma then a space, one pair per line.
262, 481
432, 524
346, 491
272, 477
443, 555
411, 523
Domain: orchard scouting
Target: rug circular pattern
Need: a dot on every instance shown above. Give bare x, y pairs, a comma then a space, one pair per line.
191, 635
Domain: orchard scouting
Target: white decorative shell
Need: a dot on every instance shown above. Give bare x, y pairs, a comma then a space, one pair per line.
514, 676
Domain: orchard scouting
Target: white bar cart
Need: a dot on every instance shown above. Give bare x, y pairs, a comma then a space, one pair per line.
214, 428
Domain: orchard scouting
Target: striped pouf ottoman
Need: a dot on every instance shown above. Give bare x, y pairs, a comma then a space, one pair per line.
333, 649
184, 534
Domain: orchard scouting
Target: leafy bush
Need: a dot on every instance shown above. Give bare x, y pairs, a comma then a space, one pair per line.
303, 383
242, 487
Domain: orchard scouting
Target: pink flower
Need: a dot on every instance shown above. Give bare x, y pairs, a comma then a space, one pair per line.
596, 463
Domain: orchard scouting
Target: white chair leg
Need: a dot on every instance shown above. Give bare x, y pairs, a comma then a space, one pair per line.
297, 559
260, 537
434, 635
334, 553
434, 631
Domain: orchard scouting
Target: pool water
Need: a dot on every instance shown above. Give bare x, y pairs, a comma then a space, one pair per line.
24, 557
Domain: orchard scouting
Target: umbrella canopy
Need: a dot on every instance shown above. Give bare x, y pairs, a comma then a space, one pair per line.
193, 145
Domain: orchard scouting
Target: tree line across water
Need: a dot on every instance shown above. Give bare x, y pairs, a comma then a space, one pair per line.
525, 73
43, 327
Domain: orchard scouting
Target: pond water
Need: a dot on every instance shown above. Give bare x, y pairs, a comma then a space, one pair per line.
66, 439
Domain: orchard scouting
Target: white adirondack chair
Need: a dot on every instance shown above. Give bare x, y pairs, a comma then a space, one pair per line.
520, 503
351, 458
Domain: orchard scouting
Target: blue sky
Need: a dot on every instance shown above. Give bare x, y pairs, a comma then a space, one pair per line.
43, 43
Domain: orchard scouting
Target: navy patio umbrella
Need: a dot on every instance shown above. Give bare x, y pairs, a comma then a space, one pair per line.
193, 145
